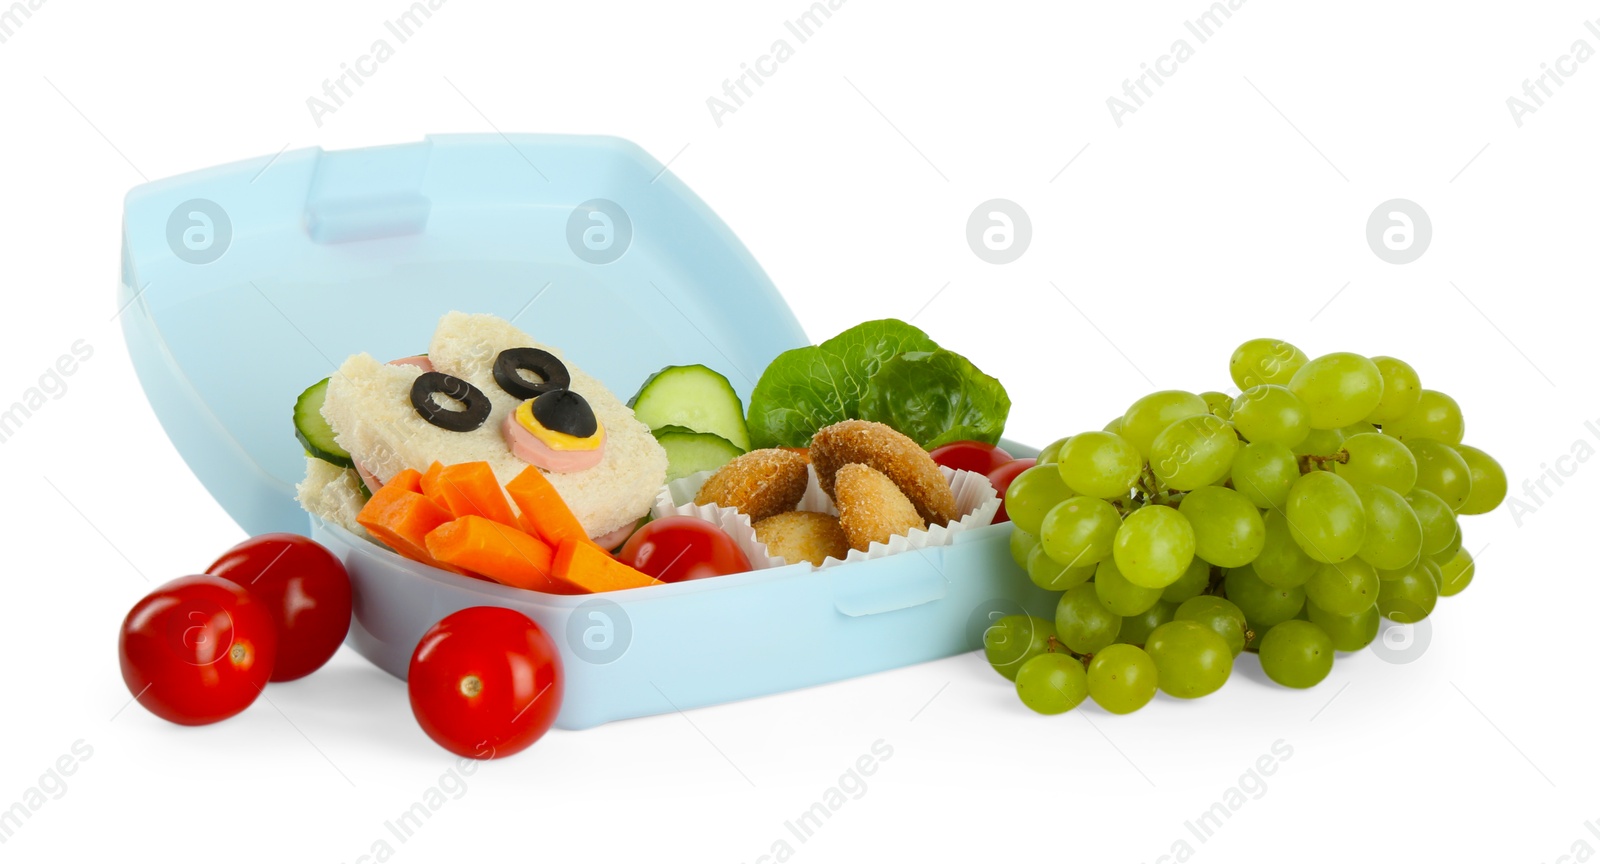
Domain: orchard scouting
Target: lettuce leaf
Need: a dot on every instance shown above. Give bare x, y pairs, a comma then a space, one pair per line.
936, 397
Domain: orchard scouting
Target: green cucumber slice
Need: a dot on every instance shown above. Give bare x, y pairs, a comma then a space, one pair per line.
313, 431
696, 398
689, 452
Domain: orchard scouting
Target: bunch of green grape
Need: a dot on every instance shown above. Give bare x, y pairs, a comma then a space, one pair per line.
1284, 521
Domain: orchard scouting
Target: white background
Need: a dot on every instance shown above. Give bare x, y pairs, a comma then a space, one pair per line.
1232, 205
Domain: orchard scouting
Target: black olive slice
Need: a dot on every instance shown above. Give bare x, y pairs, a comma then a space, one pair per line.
566, 412
541, 363
467, 419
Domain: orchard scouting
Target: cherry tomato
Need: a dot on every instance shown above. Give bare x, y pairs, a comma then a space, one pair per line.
197, 650
485, 682
679, 548
974, 456
304, 587
1000, 478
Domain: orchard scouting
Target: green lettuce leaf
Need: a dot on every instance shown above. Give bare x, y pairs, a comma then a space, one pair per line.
936, 397
805, 389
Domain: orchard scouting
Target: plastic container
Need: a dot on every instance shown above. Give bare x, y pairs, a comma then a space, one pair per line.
244, 283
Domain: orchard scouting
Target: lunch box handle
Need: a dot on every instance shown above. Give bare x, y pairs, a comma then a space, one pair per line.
888, 584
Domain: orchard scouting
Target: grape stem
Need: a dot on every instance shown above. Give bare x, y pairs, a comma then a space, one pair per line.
1307, 460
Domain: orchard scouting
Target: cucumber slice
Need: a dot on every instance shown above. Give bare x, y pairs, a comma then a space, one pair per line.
313, 431
694, 397
689, 451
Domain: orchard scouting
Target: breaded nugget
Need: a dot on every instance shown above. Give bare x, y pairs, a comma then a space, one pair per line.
803, 536
759, 484
873, 444
871, 507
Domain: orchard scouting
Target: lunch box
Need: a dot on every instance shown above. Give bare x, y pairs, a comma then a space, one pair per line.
245, 283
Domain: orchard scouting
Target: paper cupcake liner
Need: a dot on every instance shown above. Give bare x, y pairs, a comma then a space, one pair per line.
976, 501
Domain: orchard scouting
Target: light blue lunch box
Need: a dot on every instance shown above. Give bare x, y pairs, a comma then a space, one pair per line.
245, 283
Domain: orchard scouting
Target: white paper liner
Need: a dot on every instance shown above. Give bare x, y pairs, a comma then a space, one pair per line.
976, 501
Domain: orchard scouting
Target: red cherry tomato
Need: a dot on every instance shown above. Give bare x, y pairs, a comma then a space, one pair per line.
197, 650
1000, 478
304, 587
485, 682
679, 548
974, 456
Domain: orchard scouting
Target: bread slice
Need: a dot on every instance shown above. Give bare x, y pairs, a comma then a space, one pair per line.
332, 494
369, 407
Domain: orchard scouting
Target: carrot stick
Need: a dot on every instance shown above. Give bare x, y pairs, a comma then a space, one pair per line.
402, 519
544, 514
589, 568
470, 489
504, 554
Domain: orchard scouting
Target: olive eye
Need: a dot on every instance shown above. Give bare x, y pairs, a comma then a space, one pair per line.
472, 414
510, 364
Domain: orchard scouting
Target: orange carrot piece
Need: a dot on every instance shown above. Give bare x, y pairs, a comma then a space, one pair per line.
505, 554
429, 481
589, 568
543, 512
470, 489
409, 479
402, 519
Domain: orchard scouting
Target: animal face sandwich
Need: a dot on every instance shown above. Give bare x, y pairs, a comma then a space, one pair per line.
484, 392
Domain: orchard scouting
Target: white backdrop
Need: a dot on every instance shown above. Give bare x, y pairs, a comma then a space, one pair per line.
1231, 203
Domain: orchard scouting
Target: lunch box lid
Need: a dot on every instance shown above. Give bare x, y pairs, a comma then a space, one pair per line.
246, 283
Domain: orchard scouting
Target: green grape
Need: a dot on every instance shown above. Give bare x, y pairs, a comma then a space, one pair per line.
1114, 426
1297, 654
1325, 517
1191, 659
1032, 494
1098, 464
1195, 580
1345, 588
1083, 623
1396, 573
1052, 683
1444, 555
1437, 519
1264, 361
1150, 414
1456, 574
1338, 389
1193, 452
1136, 628
1263, 605
1401, 390
1282, 563
1118, 594
1122, 679
1228, 531
1348, 632
1360, 427
1321, 442
1078, 531
1154, 546
1014, 640
1052, 575
1022, 543
1394, 536
1047, 456
1264, 473
1270, 413
1435, 417
1218, 614
1410, 598
1218, 403
1378, 458
1442, 471
1488, 481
